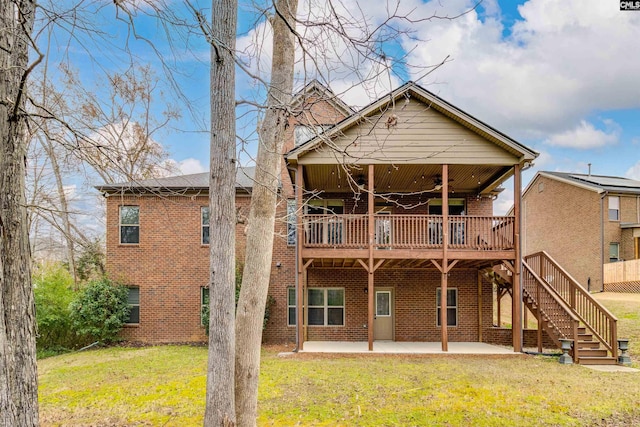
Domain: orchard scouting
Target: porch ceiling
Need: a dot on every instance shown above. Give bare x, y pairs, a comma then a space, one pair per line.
475, 179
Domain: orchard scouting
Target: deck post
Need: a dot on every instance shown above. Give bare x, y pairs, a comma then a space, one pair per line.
479, 306
445, 261
299, 246
370, 281
516, 293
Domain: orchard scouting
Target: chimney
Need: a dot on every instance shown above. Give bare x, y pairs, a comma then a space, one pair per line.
589, 164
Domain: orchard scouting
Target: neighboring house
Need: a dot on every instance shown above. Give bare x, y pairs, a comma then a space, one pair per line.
386, 231
582, 221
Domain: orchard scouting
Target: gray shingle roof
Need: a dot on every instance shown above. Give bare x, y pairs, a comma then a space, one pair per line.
612, 184
196, 181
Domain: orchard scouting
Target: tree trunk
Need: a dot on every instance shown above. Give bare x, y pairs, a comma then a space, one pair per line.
260, 233
18, 371
220, 407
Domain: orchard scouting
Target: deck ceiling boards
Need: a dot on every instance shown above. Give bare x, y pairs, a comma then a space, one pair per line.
420, 135
400, 178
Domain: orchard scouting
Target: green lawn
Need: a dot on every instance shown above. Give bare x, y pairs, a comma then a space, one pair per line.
166, 386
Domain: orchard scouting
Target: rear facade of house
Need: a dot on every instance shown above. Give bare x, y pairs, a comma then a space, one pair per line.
385, 231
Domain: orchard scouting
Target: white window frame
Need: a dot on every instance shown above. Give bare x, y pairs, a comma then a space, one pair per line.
130, 288
614, 208
121, 224
389, 307
305, 133
292, 322
203, 225
455, 307
325, 306
292, 223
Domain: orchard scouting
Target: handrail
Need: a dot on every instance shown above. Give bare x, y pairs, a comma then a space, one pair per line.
552, 306
595, 317
483, 233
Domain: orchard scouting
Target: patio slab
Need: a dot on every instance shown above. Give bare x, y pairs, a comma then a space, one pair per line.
396, 347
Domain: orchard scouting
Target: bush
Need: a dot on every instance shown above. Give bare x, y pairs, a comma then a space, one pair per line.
100, 310
53, 292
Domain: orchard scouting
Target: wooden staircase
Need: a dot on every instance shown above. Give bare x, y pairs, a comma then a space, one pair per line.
565, 310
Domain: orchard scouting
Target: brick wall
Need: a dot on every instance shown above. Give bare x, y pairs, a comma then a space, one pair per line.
564, 220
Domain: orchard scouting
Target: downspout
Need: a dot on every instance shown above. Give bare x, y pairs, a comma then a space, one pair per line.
602, 239
297, 285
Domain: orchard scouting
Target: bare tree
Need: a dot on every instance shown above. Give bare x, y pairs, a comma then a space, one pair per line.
262, 214
18, 371
220, 405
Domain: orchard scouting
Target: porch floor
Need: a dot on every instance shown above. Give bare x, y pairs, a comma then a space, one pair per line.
398, 347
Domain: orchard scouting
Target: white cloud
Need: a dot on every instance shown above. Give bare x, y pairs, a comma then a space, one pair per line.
634, 172
505, 200
190, 165
585, 136
562, 61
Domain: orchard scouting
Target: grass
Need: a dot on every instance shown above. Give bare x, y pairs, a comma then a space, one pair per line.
166, 386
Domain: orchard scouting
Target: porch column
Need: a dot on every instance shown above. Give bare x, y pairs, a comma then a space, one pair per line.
516, 292
299, 261
445, 261
370, 284
479, 306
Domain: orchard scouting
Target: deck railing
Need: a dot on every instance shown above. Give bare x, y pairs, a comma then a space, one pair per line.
409, 232
591, 313
549, 304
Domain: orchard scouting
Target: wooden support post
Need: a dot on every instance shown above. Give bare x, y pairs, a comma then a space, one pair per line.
499, 306
370, 284
539, 318
479, 306
299, 246
516, 293
445, 261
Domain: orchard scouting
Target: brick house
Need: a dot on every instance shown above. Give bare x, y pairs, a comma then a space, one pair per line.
386, 231
583, 221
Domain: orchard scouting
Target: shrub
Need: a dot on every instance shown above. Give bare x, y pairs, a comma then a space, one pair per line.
100, 310
53, 292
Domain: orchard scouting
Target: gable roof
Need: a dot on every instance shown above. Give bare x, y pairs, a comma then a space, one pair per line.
325, 93
192, 182
597, 183
411, 89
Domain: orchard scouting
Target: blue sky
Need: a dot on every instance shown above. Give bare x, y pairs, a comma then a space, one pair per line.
562, 77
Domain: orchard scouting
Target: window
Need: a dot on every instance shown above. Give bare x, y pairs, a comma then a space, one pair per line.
326, 307
614, 208
204, 305
133, 299
204, 215
291, 306
130, 224
456, 206
304, 133
291, 222
452, 307
614, 252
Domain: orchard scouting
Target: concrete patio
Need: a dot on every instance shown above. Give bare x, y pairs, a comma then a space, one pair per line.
396, 347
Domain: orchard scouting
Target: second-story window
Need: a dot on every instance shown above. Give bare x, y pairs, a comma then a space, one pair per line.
304, 133
204, 215
614, 208
291, 222
130, 225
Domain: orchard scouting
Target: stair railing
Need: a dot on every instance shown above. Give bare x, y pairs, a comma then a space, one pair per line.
561, 319
595, 317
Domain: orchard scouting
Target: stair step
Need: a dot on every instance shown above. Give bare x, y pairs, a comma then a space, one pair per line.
588, 344
597, 360
593, 353
585, 337
582, 330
